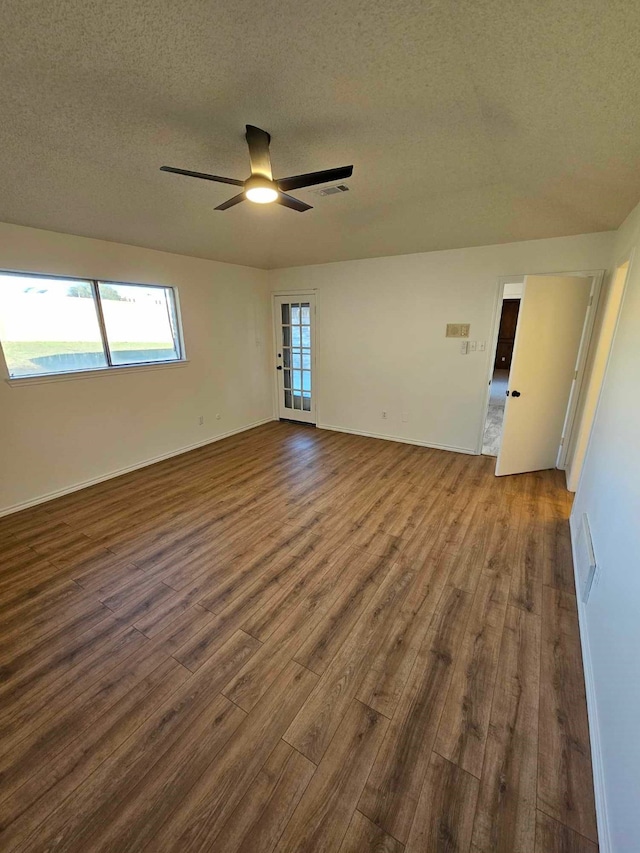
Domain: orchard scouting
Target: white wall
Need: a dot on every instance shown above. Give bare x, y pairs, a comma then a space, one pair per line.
381, 334
609, 492
56, 435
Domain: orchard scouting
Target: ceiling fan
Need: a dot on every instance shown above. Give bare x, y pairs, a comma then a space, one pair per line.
260, 187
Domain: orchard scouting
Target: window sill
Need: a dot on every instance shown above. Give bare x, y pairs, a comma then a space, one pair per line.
19, 381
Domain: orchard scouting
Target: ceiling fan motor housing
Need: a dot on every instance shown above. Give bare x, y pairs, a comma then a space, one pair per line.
260, 189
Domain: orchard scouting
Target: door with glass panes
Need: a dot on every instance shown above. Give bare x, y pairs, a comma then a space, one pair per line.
295, 341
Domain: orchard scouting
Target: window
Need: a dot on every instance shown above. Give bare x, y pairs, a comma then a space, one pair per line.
64, 325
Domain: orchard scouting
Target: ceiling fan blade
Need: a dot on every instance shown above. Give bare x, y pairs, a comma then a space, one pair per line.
258, 141
202, 175
231, 202
296, 182
294, 203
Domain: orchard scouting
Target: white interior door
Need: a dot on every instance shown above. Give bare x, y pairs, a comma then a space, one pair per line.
295, 350
550, 324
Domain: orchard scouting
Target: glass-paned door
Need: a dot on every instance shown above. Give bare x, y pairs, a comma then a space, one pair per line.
295, 333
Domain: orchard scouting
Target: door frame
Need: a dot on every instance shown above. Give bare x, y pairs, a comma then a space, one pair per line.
578, 386
274, 349
597, 277
626, 257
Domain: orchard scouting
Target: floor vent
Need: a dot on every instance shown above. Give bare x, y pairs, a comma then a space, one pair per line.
586, 558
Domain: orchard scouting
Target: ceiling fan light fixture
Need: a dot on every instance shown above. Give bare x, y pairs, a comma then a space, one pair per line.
260, 190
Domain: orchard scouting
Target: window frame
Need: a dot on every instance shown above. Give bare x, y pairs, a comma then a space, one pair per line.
109, 367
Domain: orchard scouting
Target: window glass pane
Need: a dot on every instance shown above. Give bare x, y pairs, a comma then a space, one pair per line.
306, 380
287, 400
306, 359
306, 314
295, 335
286, 357
140, 322
306, 404
48, 325
306, 336
286, 336
297, 401
295, 313
297, 380
285, 315
287, 379
297, 358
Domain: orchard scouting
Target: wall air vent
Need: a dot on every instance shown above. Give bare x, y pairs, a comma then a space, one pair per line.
585, 559
338, 188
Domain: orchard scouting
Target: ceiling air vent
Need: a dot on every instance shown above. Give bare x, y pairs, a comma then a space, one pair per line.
339, 188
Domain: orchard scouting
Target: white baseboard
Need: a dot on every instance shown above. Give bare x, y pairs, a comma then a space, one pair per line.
112, 474
401, 439
604, 838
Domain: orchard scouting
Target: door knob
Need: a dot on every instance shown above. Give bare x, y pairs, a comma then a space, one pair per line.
279, 367
515, 393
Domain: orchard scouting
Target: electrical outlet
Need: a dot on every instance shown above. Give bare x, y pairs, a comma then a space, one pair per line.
482, 346
405, 417
218, 416
201, 420
473, 346
384, 416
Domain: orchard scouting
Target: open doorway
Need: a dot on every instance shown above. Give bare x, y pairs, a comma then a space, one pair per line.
499, 383
530, 422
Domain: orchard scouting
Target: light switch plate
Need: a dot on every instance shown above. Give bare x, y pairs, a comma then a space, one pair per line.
464, 347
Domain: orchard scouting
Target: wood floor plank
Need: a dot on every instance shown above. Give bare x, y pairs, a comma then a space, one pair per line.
528, 565
79, 821
554, 837
365, 837
34, 709
260, 817
34, 670
506, 813
254, 679
320, 821
444, 817
66, 611
466, 560
274, 651
31, 803
558, 563
463, 729
129, 818
311, 582
395, 654
354, 590
196, 821
314, 727
565, 787
391, 794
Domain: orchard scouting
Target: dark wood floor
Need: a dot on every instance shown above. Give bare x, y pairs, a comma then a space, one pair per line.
295, 640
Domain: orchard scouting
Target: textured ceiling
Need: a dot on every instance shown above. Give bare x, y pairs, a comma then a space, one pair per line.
469, 122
